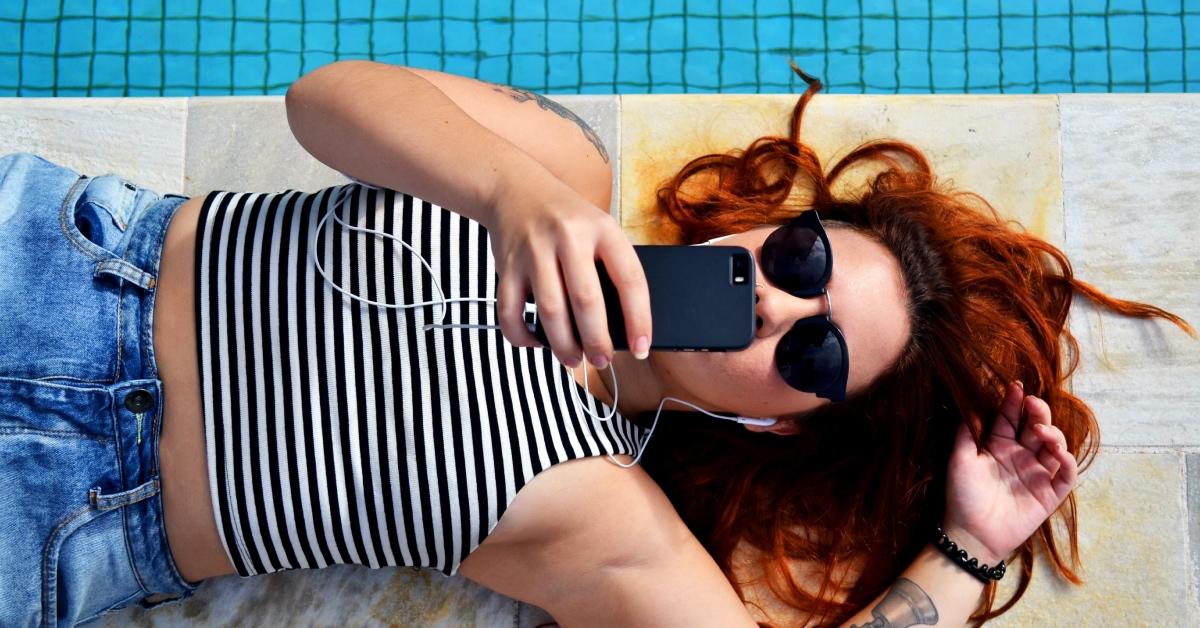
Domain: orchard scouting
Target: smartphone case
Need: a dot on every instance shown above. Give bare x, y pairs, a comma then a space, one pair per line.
694, 301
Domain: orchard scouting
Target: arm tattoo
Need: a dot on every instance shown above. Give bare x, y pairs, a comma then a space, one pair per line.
905, 604
521, 95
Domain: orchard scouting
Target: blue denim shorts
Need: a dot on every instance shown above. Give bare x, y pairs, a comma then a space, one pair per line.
81, 517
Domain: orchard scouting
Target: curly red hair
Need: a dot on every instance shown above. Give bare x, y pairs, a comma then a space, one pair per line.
863, 484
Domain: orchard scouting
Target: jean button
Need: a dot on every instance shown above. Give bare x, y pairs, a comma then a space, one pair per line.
139, 400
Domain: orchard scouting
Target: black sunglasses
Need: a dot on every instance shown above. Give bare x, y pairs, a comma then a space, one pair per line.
812, 355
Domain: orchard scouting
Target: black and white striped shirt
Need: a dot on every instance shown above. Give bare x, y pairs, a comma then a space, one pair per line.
340, 432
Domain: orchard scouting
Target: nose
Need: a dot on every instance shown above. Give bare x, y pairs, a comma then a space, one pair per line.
777, 310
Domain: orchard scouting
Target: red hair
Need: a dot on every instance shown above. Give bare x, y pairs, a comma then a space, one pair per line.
863, 483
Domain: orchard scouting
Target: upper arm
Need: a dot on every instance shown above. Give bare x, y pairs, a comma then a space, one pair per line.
552, 134
594, 543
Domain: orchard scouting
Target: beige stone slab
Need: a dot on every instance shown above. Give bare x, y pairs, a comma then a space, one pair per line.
140, 139
1132, 207
1133, 535
1005, 148
244, 144
335, 596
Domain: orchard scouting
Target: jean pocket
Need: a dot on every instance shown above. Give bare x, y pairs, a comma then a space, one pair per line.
86, 568
92, 227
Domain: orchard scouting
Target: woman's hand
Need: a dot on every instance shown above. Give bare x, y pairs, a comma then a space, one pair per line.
998, 495
547, 237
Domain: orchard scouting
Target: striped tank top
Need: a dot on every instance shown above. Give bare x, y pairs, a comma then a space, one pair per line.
341, 432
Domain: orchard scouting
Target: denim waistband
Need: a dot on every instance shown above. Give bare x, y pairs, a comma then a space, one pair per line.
137, 393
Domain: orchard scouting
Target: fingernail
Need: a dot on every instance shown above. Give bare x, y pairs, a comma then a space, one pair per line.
1020, 384
600, 362
571, 362
641, 347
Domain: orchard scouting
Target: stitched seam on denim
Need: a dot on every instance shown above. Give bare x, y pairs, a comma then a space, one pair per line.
52, 541
50, 379
120, 329
66, 229
124, 602
54, 433
133, 563
21, 380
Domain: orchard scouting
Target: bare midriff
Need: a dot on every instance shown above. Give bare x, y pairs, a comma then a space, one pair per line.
191, 527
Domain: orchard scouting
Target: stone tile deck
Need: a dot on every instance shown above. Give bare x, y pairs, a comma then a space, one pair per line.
1112, 178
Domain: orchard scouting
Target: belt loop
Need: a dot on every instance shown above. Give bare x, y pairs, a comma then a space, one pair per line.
123, 269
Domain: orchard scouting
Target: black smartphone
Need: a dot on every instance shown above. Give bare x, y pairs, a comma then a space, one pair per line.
701, 299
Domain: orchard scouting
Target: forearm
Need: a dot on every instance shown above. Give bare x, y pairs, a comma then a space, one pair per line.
933, 591
388, 126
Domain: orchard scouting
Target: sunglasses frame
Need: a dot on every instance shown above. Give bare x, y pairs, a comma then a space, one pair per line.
836, 390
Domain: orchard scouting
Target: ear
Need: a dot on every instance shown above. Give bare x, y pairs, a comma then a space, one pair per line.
782, 427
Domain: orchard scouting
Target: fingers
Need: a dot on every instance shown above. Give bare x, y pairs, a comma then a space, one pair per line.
587, 305
554, 312
1037, 413
510, 310
1055, 457
1010, 411
625, 269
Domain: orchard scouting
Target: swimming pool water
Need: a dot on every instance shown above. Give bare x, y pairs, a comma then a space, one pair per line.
198, 47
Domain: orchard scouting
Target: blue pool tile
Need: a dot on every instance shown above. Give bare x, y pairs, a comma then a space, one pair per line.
40, 37
666, 33
702, 7
879, 33
564, 71
666, 68
738, 71
564, 38
843, 34
914, 71
809, 34
215, 35
879, 70
738, 32
459, 63
631, 69
976, 8
144, 71
1128, 68
529, 71
949, 71
207, 8
1091, 67
632, 35
180, 35
1165, 33
285, 36
1018, 70
985, 70
598, 36
353, 39
108, 69
1089, 7
284, 70
592, 9
983, 34
1089, 32
423, 36
1127, 31
145, 36
912, 35
459, 37
528, 10
1018, 31
249, 36
599, 68
73, 72
10, 38
946, 10
493, 38
1053, 32
843, 71
773, 33
284, 10
1165, 68
249, 71
180, 69
1054, 70
700, 32
700, 69
1053, 7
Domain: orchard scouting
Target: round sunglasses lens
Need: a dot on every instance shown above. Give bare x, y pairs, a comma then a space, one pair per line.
809, 356
794, 257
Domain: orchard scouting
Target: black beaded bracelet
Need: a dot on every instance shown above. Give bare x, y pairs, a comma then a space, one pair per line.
960, 558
